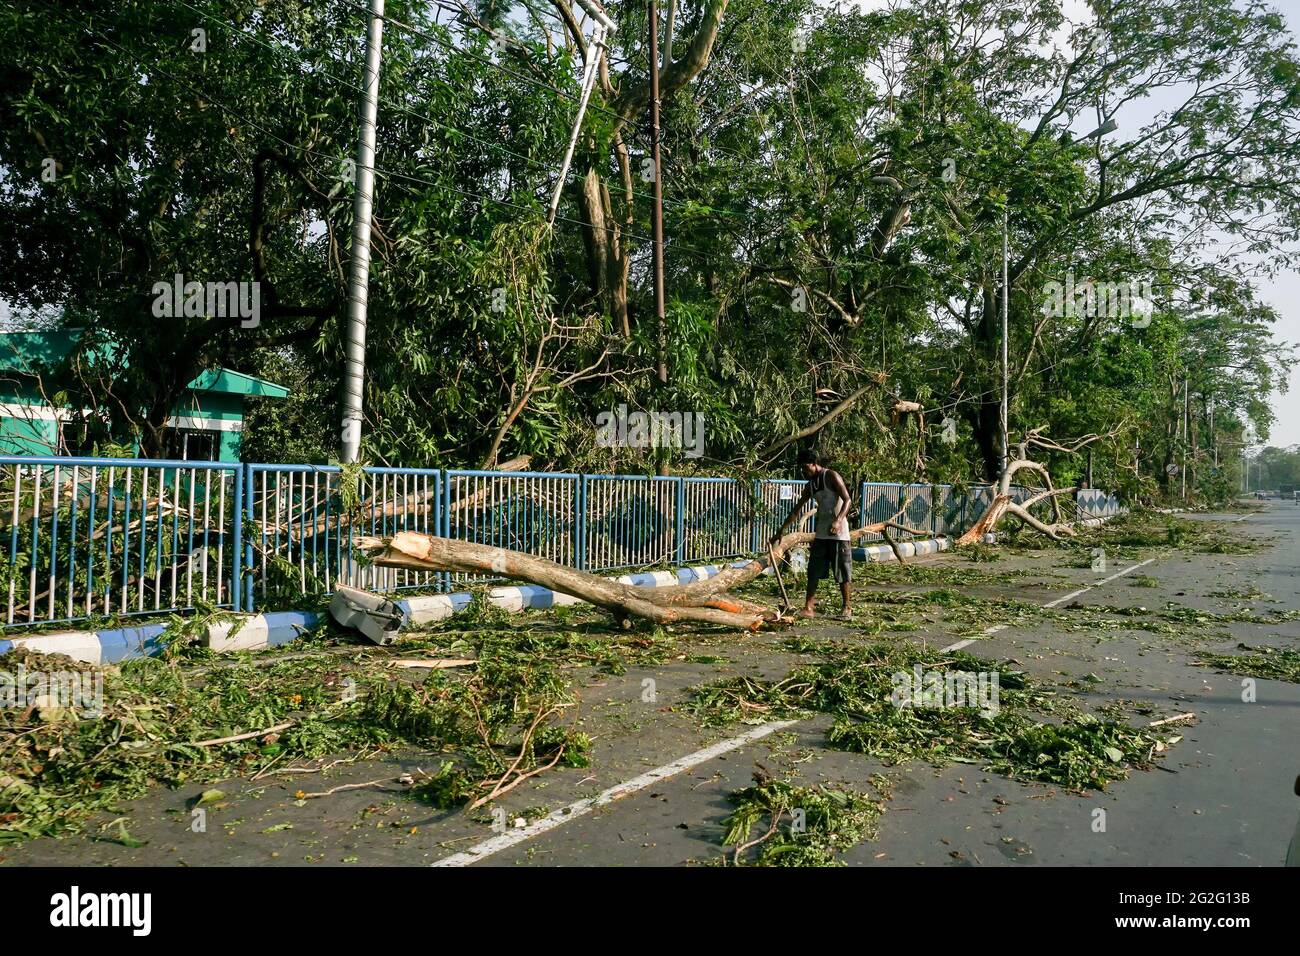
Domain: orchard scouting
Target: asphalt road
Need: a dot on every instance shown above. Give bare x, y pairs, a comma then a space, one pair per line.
1225, 796
1222, 796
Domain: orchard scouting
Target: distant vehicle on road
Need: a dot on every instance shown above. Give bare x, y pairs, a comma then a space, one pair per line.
1286, 492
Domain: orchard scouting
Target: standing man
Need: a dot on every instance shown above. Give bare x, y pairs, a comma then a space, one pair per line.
830, 550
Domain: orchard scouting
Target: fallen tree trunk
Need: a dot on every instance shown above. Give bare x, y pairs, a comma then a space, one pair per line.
704, 601
986, 522
423, 552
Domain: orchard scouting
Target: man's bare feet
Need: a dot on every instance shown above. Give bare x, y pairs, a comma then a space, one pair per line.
806, 613
846, 614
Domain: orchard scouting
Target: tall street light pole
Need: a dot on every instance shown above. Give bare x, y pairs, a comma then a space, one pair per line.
354, 365
1006, 441
658, 213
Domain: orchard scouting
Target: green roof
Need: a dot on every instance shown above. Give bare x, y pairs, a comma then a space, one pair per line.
26, 352
237, 383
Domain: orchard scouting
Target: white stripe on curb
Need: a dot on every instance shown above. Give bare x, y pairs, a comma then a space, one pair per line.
83, 646
252, 635
582, 807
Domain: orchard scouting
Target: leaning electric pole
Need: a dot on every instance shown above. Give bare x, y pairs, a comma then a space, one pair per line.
354, 365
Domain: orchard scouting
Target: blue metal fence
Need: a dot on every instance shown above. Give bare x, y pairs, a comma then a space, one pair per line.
301, 520
105, 536
774, 499
532, 512
717, 514
85, 537
630, 521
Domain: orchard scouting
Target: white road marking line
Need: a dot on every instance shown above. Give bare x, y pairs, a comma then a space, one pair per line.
582, 807
1061, 600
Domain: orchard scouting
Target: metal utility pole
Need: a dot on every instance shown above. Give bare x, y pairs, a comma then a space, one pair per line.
595, 50
1006, 441
1185, 435
354, 368
1214, 441
658, 213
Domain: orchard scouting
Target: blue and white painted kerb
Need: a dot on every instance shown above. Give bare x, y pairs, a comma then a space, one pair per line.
908, 549
257, 632
260, 631
93, 647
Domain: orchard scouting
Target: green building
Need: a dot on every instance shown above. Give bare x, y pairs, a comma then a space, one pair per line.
205, 426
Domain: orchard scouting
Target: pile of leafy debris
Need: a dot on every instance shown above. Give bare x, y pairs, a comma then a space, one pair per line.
1266, 663
190, 718
960, 613
800, 826
1132, 535
945, 610
1175, 623
949, 574
871, 692
1149, 529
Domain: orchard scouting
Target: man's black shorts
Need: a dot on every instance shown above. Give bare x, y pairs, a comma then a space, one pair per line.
830, 555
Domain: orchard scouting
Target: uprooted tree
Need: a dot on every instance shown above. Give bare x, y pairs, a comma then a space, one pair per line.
1004, 504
